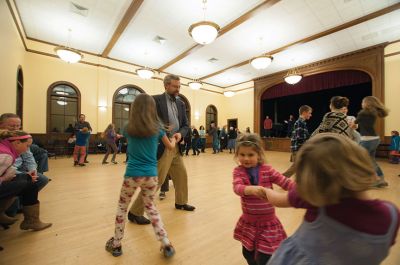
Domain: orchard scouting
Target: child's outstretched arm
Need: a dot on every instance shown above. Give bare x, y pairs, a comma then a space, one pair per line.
280, 180
278, 199
169, 144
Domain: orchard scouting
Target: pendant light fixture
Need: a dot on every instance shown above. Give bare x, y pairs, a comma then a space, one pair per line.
204, 32
229, 93
261, 62
67, 54
195, 84
292, 77
145, 72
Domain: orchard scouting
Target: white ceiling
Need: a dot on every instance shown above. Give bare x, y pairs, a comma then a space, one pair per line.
285, 22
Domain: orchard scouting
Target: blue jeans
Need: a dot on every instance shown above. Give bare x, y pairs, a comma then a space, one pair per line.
42, 163
371, 146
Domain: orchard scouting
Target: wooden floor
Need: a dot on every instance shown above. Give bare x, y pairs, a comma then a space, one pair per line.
81, 203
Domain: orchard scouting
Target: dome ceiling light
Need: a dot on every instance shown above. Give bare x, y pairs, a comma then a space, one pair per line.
204, 32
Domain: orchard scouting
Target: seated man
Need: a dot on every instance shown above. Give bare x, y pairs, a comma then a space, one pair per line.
41, 157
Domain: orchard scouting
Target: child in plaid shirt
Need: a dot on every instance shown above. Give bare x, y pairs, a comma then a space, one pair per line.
300, 134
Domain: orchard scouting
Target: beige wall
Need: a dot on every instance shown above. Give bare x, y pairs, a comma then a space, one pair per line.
241, 106
11, 56
392, 88
97, 86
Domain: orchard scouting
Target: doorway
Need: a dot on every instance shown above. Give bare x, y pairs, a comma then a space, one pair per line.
232, 123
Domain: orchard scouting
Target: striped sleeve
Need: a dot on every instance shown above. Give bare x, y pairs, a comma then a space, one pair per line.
280, 180
238, 184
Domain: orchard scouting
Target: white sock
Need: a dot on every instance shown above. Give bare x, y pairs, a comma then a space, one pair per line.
165, 241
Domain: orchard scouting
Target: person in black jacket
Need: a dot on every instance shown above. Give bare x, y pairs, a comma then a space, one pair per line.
172, 112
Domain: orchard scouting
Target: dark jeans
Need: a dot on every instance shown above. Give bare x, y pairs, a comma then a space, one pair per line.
110, 147
195, 146
202, 144
165, 185
188, 146
23, 186
253, 258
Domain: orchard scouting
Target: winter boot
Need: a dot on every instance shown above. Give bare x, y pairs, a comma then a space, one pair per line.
31, 219
4, 205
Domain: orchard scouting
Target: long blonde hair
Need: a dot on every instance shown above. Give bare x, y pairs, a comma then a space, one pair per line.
329, 167
251, 140
374, 105
143, 119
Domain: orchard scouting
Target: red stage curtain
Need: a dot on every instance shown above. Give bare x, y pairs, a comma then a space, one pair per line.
318, 82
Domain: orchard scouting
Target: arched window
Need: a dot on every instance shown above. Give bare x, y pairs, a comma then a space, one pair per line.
20, 92
63, 106
211, 116
122, 100
187, 105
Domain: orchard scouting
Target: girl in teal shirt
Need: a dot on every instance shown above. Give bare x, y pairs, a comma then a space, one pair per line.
143, 133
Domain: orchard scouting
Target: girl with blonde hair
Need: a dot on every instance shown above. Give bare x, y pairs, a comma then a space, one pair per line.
143, 134
110, 136
258, 229
372, 109
342, 223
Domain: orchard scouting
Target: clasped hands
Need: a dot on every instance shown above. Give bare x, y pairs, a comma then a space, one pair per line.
257, 191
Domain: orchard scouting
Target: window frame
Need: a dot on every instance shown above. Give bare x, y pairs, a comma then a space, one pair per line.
208, 122
49, 95
114, 101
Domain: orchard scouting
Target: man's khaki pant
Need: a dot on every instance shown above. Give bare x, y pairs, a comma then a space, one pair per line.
170, 163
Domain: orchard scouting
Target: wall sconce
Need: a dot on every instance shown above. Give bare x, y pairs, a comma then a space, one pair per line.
102, 107
196, 115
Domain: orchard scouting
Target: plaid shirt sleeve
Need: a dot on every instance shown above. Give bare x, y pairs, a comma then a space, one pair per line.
300, 135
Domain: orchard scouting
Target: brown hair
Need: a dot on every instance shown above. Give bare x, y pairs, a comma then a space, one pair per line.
304, 108
251, 140
339, 102
374, 105
330, 167
4, 134
143, 119
395, 133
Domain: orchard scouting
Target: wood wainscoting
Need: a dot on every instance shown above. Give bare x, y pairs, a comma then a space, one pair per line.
276, 144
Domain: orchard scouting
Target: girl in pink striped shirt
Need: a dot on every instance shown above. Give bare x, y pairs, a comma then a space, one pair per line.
258, 229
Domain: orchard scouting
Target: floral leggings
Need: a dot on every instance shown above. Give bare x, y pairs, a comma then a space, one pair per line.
129, 186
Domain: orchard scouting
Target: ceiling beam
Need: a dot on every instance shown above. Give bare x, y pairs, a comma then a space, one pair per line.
129, 14
227, 28
346, 25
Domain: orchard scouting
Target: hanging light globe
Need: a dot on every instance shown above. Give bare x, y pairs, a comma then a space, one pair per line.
261, 62
229, 93
145, 73
292, 77
195, 85
68, 55
204, 32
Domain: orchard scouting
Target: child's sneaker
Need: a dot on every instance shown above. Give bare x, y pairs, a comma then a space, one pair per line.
168, 251
114, 251
75, 163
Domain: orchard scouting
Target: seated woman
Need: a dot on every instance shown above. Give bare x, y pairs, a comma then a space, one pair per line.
12, 144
